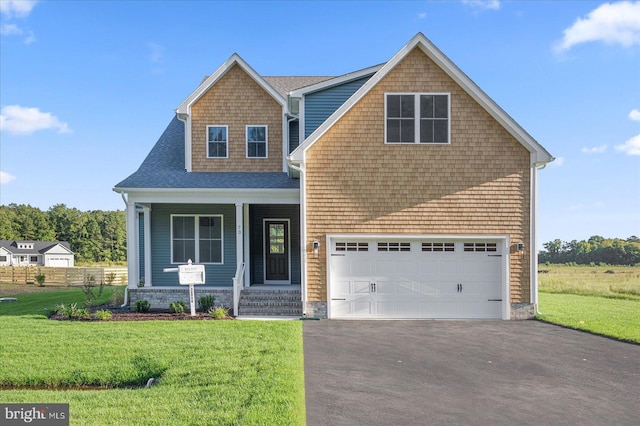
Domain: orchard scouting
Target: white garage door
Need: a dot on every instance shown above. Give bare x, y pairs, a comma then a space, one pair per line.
381, 278
58, 262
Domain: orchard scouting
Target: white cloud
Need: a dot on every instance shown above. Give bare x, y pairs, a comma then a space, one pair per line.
5, 177
20, 120
634, 115
575, 207
595, 150
612, 23
31, 37
10, 29
483, 4
559, 161
156, 52
630, 147
422, 15
17, 8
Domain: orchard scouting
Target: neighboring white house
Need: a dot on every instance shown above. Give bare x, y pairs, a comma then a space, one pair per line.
31, 253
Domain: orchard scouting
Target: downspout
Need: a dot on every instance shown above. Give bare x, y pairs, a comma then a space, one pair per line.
303, 235
534, 234
126, 290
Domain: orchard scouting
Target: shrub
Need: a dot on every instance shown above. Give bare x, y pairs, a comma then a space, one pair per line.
177, 307
102, 315
117, 298
72, 311
40, 279
89, 289
141, 306
110, 278
205, 303
219, 312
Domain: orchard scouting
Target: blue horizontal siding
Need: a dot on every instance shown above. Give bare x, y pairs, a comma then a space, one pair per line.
216, 275
320, 105
294, 135
257, 213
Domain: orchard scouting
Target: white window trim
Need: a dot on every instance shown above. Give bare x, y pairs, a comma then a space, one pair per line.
266, 141
417, 117
197, 237
207, 139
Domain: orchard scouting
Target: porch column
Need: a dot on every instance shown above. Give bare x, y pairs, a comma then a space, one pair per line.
132, 245
239, 234
148, 280
238, 278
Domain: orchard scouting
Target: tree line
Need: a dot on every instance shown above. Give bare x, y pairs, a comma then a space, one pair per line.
612, 251
95, 236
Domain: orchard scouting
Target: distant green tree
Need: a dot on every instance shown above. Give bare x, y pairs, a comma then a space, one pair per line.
7, 223
597, 249
94, 236
31, 223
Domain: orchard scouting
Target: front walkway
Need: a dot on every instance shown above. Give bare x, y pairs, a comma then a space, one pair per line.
465, 372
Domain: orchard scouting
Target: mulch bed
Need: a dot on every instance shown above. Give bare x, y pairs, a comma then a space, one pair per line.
120, 314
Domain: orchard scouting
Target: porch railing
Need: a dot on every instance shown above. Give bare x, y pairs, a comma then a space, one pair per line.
238, 281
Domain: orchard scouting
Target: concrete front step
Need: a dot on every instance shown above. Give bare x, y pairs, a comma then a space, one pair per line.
270, 302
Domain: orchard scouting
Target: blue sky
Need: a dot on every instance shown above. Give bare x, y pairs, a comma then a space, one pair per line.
87, 87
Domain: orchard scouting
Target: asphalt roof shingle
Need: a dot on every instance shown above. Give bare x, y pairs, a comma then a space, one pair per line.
284, 84
164, 168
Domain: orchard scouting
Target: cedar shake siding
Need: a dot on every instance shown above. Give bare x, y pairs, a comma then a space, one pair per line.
479, 184
236, 101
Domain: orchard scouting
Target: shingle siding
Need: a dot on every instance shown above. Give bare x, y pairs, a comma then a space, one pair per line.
236, 100
477, 185
320, 105
216, 275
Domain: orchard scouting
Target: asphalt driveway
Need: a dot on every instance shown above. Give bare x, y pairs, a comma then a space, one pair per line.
466, 372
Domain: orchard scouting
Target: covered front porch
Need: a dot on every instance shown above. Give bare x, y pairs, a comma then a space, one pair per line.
245, 242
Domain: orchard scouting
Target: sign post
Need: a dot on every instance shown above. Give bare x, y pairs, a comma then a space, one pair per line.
190, 275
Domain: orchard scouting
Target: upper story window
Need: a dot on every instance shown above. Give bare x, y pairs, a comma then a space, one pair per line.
217, 141
417, 118
256, 141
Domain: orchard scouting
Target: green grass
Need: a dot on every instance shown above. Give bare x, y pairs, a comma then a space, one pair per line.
43, 303
212, 372
602, 300
608, 317
616, 282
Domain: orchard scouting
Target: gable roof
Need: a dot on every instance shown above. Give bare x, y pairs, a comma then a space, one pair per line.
40, 247
235, 59
286, 84
541, 155
334, 81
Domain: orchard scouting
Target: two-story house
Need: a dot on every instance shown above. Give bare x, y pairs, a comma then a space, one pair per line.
397, 191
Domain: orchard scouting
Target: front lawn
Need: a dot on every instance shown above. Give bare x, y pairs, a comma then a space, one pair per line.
211, 372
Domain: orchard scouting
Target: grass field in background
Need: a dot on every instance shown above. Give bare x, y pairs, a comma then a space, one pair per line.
44, 303
211, 372
599, 299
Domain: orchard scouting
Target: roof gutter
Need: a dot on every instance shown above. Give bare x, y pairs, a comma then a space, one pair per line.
126, 290
535, 167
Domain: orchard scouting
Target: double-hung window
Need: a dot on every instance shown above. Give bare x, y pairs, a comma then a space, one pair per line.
417, 118
256, 141
198, 238
217, 141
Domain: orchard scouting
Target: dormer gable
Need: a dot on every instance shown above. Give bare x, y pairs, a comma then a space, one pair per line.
234, 121
24, 245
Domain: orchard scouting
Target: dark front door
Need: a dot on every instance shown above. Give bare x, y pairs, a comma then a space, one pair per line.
276, 239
